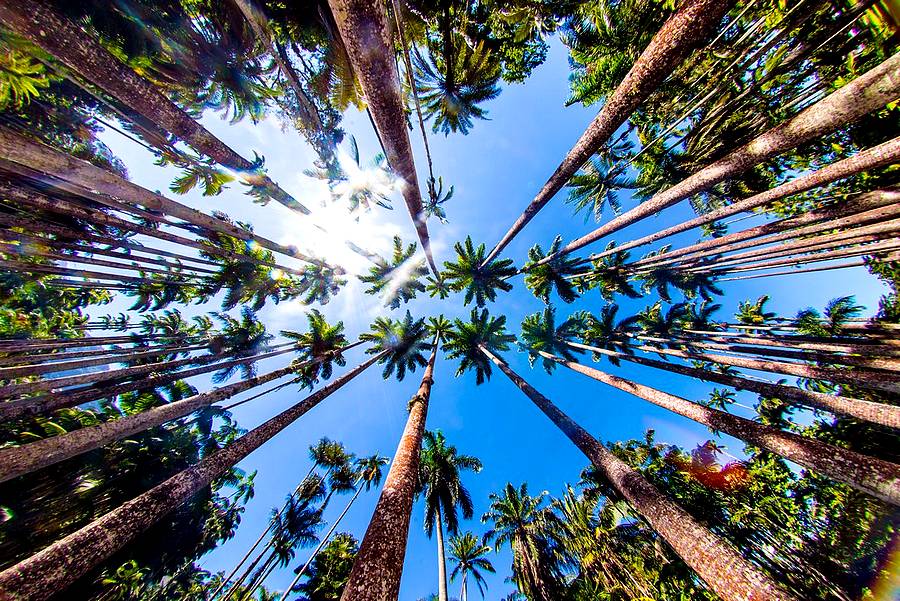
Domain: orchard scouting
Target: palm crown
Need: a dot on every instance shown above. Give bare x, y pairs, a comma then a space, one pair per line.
466, 338
397, 280
403, 339
479, 281
542, 279
439, 481
468, 553
540, 333
322, 340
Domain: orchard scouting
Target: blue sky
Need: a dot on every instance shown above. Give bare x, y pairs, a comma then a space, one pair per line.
496, 170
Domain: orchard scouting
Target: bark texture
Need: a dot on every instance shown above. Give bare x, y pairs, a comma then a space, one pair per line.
679, 36
54, 568
379, 564
715, 561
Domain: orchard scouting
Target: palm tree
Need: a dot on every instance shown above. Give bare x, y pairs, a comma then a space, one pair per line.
397, 280
443, 492
329, 572
369, 475
715, 561
845, 105
468, 555
320, 340
84, 55
470, 273
451, 87
86, 548
364, 29
595, 186
685, 30
542, 280
379, 565
523, 522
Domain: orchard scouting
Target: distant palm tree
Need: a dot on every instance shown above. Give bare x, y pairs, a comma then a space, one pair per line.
596, 186
479, 281
468, 554
443, 493
397, 279
546, 277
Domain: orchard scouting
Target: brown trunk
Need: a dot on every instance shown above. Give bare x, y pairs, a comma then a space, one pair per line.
379, 564
876, 477
840, 345
715, 561
53, 569
366, 34
81, 52
98, 184
686, 30
13, 390
854, 212
866, 93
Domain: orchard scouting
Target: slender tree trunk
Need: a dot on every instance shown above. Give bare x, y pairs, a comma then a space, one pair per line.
56, 567
464, 591
99, 185
686, 30
379, 564
323, 542
872, 476
876, 413
441, 557
866, 93
715, 561
81, 52
366, 33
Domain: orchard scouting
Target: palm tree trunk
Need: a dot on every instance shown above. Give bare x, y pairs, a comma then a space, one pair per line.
866, 93
323, 542
876, 413
24, 459
686, 30
872, 476
82, 53
464, 591
715, 561
366, 33
56, 567
379, 564
13, 390
102, 186
442, 558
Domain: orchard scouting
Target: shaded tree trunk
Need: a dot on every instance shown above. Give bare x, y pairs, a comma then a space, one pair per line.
81, 52
866, 93
366, 34
686, 30
872, 476
714, 560
441, 557
379, 564
53, 569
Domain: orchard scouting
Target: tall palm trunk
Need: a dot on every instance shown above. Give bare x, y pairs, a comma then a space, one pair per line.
54, 568
13, 390
83, 54
324, 541
464, 589
686, 30
866, 93
35, 357
877, 413
366, 33
108, 188
715, 561
379, 564
872, 476
441, 557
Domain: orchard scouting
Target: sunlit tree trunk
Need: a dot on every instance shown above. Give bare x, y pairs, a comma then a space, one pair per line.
441, 557
715, 561
379, 564
53, 569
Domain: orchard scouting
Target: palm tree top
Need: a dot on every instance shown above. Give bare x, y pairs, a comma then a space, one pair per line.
468, 553
542, 279
440, 484
405, 341
480, 282
466, 337
369, 471
398, 279
540, 333
320, 340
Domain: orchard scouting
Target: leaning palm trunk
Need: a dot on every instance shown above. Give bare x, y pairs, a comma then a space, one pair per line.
861, 96
108, 188
84, 55
24, 459
56, 567
366, 34
715, 561
870, 475
686, 30
876, 413
324, 540
379, 564
13, 390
